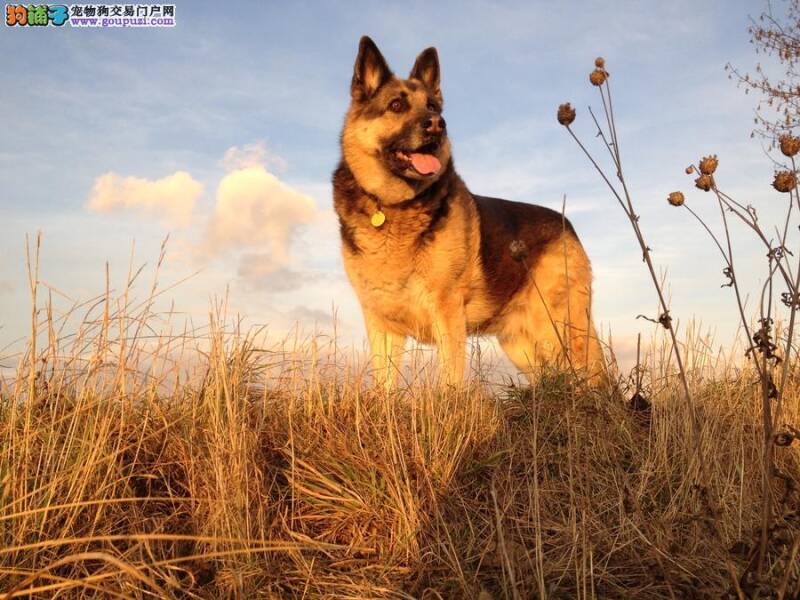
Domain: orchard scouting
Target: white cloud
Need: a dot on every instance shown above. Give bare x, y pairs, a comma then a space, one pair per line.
256, 211
171, 199
252, 155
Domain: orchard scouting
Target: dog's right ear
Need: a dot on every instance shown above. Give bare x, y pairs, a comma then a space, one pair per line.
370, 71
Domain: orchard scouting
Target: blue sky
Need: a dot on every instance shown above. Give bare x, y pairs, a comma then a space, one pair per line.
254, 95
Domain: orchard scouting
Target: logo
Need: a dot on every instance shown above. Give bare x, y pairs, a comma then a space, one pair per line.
91, 15
39, 16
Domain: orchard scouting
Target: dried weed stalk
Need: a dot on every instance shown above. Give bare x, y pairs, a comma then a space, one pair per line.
608, 135
770, 347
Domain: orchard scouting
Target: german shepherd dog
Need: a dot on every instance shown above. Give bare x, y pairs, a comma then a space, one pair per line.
431, 260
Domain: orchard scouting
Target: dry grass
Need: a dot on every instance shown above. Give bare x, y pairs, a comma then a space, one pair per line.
277, 473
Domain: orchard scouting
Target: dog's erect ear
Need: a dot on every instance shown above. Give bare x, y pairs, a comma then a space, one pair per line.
426, 69
370, 71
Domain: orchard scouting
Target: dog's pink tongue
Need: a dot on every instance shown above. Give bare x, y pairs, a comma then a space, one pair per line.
426, 164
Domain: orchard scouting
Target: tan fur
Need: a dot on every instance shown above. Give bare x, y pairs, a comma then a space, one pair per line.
361, 145
405, 291
437, 295
423, 274
553, 314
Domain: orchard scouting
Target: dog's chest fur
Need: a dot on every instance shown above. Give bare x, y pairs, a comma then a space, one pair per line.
393, 280
421, 251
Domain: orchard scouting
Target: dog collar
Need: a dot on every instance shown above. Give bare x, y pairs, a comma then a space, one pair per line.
378, 218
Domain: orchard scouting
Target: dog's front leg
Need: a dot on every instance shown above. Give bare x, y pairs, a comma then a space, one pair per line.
450, 335
386, 351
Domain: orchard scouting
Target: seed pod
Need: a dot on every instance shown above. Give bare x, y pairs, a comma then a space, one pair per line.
598, 77
566, 114
790, 145
599, 62
690, 169
639, 403
676, 198
518, 250
704, 182
785, 181
708, 165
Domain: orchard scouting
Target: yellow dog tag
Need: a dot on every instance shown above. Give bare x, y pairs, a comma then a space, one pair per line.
378, 219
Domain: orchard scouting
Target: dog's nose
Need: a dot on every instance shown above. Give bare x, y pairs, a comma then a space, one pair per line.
434, 124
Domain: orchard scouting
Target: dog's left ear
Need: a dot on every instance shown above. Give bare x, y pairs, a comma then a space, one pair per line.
426, 70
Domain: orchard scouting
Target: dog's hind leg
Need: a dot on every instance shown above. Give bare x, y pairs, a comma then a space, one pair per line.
574, 314
529, 352
537, 341
550, 320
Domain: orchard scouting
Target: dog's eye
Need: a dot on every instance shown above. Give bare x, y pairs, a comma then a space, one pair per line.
432, 107
397, 105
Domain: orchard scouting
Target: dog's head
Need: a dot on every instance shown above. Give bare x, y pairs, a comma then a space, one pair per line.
394, 139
